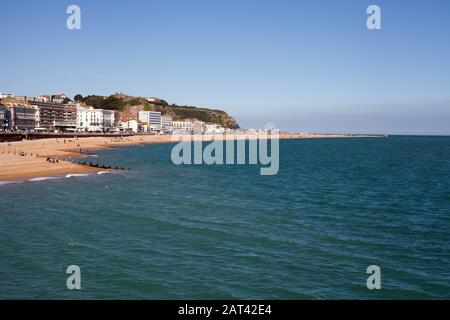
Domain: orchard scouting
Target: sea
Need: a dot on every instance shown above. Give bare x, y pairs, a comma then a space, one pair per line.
166, 231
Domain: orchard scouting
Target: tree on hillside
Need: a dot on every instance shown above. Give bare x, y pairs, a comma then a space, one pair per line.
112, 103
94, 101
78, 98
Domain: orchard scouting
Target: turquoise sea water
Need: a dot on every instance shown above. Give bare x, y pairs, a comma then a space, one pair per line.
163, 231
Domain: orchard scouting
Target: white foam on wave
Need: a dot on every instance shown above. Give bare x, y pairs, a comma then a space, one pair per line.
42, 179
103, 172
89, 156
71, 175
2, 183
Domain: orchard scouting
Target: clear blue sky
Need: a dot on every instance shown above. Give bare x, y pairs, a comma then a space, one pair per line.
303, 65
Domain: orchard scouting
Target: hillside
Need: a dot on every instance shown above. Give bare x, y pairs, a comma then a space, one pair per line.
129, 106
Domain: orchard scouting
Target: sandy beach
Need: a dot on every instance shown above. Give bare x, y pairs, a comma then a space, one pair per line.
29, 158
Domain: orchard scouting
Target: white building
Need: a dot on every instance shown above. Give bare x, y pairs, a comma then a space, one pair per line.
94, 120
130, 125
6, 95
152, 118
22, 116
143, 116
4, 119
59, 98
198, 126
182, 125
43, 98
213, 129
167, 123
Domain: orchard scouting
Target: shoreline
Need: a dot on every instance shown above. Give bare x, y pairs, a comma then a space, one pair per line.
27, 159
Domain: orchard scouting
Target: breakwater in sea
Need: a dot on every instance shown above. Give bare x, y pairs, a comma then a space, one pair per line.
101, 166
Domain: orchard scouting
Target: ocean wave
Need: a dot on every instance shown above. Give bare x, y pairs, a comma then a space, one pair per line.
71, 175
89, 156
2, 183
42, 179
103, 172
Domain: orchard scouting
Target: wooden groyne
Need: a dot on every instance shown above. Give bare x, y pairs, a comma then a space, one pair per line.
101, 166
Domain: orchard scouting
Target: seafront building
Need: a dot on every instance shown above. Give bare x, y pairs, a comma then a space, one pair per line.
56, 116
4, 118
94, 120
152, 118
43, 98
213, 129
130, 125
59, 98
189, 125
167, 123
185, 125
49, 113
6, 95
19, 116
198, 127
20, 99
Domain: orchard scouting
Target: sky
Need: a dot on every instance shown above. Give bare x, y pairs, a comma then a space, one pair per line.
305, 66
